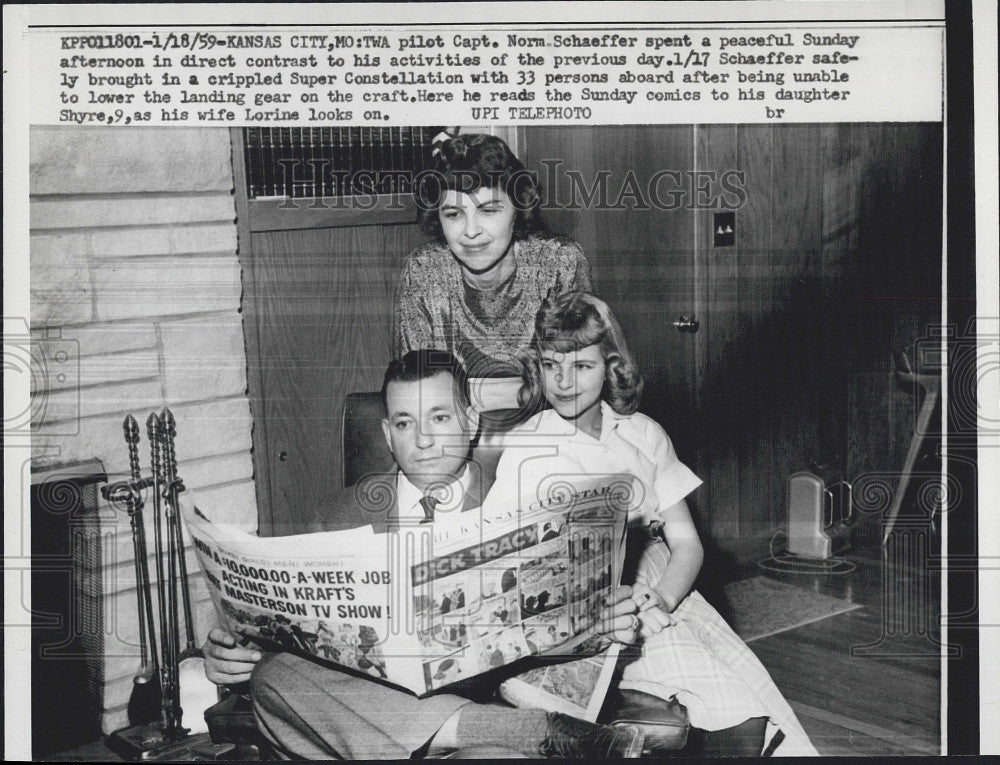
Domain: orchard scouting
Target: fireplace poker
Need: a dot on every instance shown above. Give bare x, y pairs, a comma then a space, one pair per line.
164, 599
159, 678
174, 486
172, 521
146, 693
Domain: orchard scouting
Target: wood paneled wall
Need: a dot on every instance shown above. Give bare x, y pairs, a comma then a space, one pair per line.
323, 302
836, 265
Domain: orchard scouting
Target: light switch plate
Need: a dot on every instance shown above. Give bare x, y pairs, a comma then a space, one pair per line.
724, 229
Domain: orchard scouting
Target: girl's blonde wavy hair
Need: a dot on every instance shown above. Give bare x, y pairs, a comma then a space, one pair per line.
576, 320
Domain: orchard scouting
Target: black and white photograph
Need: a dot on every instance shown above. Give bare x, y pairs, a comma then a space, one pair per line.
249, 261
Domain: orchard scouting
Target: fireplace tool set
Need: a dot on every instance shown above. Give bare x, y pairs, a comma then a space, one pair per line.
154, 709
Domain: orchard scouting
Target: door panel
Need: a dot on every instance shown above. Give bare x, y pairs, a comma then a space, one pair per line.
722, 400
324, 300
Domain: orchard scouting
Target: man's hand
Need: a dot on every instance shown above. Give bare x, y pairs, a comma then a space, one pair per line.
226, 661
619, 621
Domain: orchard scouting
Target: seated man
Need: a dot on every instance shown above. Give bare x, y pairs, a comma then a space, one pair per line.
309, 711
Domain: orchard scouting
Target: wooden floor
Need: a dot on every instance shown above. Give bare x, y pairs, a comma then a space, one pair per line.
863, 683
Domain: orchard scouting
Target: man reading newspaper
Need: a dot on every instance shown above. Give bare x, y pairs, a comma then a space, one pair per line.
310, 711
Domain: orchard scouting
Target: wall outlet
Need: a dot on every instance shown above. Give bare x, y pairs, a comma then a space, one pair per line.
724, 229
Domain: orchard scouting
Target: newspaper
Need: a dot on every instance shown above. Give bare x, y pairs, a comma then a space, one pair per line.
427, 605
576, 688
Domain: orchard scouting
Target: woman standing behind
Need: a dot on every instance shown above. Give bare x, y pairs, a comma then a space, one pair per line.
475, 289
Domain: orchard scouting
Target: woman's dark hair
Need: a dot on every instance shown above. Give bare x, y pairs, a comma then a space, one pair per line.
474, 161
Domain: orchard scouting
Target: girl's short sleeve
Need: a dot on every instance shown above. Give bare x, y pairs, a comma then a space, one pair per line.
673, 480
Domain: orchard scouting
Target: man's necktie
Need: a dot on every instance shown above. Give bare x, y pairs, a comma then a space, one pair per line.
428, 503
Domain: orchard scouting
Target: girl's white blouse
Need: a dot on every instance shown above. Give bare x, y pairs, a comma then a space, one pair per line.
548, 450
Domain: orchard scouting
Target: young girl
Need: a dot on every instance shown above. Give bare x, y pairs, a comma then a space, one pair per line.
580, 364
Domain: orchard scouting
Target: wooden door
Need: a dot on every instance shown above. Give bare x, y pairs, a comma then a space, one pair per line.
325, 297
642, 256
